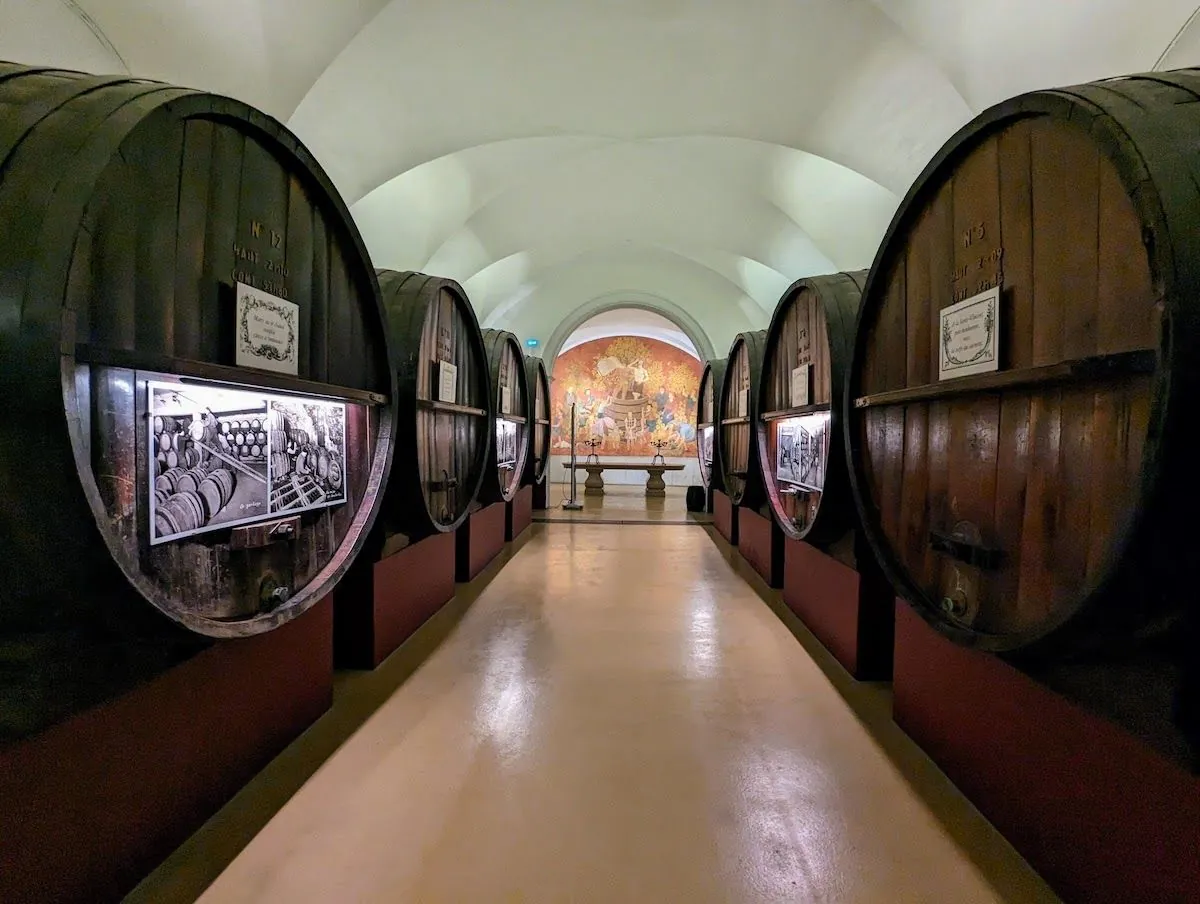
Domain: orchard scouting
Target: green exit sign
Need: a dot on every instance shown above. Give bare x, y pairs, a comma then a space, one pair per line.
533, 343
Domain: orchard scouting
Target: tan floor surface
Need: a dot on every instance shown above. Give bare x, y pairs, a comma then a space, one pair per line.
618, 717
622, 504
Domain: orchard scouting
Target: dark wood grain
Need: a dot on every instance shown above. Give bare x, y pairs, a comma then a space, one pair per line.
442, 446
506, 368
539, 445
740, 465
712, 382
121, 202
812, 327
1044, 460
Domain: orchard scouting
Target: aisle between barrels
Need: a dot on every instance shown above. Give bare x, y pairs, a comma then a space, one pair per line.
617, 717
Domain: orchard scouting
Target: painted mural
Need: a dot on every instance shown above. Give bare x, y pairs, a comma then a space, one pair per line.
629, 392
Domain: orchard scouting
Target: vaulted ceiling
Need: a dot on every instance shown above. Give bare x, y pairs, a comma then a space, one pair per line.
561, 157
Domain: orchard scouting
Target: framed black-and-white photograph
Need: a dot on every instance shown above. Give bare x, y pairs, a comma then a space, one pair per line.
308, 454
803, 451
706, 446
223, 456
208, 459
506, 443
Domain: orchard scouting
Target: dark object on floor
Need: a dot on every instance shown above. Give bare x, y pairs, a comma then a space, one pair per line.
696, 499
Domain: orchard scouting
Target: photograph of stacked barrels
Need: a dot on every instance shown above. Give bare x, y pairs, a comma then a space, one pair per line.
178, 484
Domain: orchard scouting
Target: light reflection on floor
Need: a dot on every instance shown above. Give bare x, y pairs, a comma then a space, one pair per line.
618, 717
621, 504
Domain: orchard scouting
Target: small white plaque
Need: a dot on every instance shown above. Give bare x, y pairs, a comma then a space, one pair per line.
447, 382
800, 385
506, 398
969, 337
268, 331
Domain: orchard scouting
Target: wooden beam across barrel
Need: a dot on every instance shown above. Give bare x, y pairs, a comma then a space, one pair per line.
445, 406
809, 344
129, 211
539, 452
708, 432
1044, 499
737, 412
510, 399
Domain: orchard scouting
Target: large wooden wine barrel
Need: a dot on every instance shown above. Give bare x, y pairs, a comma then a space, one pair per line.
799, 429
737, 413
1022, 477
445, 406
708, 433
130, 212
538, 460
510, 399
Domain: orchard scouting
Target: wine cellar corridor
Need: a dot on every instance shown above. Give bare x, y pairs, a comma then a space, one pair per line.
585, 451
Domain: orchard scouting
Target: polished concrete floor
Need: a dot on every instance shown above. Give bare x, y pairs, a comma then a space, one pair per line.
618, 716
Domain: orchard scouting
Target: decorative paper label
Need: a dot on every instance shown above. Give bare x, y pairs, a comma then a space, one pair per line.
267, 331
506, 398
970, 336
800, 385
447, 382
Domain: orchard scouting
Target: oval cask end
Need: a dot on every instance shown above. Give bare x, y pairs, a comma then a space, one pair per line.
799, 430
445, 405
737, 413
708, 432
130, 214
510, 398
1027, 336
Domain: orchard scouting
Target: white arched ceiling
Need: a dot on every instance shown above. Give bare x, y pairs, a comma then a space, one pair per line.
630, 322
556, 156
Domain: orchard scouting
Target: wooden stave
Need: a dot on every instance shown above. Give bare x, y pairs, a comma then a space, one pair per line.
408, 297
129, 105
1120, 117
536, 377
752, 492
714, 372
840, 295
495, 488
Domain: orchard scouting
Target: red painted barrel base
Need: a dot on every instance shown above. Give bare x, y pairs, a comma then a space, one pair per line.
379, 606
1101, 816
479, 540
853, 615
760, 541
541, 495
93, 804
519, 514
725, 517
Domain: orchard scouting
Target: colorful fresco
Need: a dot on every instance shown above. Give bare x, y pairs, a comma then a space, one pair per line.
629, 392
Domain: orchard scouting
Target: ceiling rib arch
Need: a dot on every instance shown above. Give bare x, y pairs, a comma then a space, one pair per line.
635, 300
